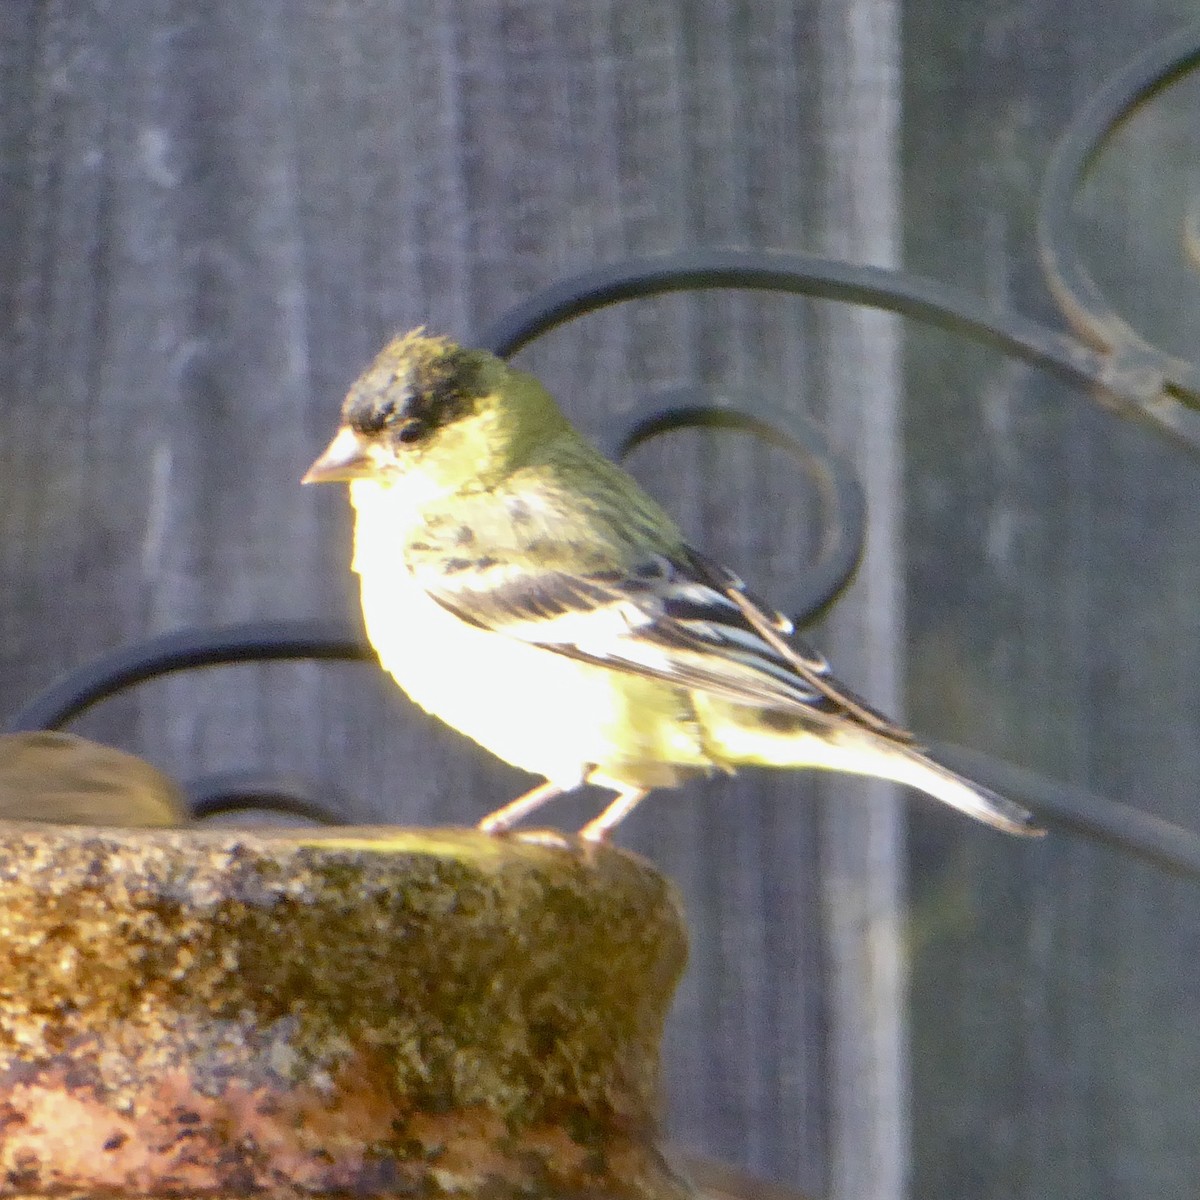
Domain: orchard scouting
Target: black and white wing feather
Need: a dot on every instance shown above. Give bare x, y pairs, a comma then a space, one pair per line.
678, 617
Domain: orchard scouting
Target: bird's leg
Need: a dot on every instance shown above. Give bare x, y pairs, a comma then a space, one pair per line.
505, 818
626, 801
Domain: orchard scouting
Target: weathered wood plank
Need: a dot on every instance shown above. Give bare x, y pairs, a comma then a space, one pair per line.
1053, 993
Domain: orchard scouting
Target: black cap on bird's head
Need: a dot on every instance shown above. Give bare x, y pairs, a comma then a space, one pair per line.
417, 389
416, 385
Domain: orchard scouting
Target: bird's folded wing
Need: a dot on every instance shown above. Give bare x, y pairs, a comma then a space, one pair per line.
677, 617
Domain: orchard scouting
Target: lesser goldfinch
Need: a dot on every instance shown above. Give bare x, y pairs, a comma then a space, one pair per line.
524, 589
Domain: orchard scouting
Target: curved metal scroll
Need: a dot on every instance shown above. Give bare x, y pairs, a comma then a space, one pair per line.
1153, 385
844, 517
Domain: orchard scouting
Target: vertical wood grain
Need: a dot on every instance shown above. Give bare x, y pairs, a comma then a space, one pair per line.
862, 858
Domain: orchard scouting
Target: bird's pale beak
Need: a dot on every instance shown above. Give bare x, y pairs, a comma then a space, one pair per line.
345, 458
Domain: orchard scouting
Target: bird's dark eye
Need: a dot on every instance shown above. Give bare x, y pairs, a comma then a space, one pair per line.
370, 417
384, 414
410, 431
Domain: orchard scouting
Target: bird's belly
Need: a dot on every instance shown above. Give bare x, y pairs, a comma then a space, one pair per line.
536, 709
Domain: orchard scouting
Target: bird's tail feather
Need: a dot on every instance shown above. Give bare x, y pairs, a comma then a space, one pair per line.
862, 752
908, 765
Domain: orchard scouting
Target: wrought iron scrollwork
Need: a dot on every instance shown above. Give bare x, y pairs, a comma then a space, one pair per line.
1108, 358
1143, 381
170, 653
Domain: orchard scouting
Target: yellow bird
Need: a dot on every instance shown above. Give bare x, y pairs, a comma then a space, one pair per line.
524, 589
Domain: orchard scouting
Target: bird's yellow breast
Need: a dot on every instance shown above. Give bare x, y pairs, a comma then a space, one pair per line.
537, 709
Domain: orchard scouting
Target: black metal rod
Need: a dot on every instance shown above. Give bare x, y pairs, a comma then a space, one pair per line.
801, 275
1134, 390
1169, 385
1080, 145
225, 793
255, 641
1075, 810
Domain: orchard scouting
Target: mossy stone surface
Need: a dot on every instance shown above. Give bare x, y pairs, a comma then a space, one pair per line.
383, 1011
